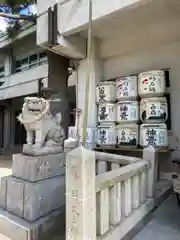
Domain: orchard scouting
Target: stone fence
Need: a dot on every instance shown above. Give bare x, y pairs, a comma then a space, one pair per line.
107, 194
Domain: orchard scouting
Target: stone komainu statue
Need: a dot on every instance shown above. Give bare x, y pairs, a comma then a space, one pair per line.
42, 128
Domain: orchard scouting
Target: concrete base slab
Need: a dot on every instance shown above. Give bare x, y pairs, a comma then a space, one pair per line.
164, 223
34, 169
32, 200
15, 228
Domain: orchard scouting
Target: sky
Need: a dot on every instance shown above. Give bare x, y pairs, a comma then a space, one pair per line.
26, 11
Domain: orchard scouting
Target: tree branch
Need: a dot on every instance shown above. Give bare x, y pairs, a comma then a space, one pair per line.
18, 16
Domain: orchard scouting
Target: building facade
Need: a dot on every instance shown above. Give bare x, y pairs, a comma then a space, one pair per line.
23, 70
129, 37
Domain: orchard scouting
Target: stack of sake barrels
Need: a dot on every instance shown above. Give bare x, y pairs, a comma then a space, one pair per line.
106, 105
123, 121
153, 109
118, 112
127, 112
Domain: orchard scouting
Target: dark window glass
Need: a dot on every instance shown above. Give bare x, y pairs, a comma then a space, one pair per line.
1, 72
2, 69
33, 60
24, 64
42, 57
18, 66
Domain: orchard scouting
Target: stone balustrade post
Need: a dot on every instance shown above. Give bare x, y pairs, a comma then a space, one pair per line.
80, 195
150, 154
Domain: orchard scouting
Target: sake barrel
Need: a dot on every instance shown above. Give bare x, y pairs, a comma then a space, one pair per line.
106, 92
106, 135
107, 112
91, 135
126, 88
153, 110
151, 84
155, 135
127, 135
127, 112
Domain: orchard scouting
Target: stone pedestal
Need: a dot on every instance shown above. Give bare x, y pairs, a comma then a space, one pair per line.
32, 195
38, 168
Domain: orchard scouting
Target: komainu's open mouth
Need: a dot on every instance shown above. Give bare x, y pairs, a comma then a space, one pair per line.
34, 110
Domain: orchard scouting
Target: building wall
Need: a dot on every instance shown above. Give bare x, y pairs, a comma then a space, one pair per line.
162, 56
21, 48
26, 46
23, 82
165, 56
157, 57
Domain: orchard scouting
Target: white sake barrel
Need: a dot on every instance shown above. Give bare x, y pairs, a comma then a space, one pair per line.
127, 112
153, 110
155, 135
126, 88
106, 112
127, 135
106, 92
106, 135
91, 135
151, 84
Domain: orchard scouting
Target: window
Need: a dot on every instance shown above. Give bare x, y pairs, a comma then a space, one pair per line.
22, 65
31, 61
42, 58
25, 63
18, 66
2, 72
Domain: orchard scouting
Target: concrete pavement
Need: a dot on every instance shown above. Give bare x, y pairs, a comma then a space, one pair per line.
165, 223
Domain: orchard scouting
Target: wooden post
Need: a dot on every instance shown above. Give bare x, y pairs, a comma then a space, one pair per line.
80, 195
150, 154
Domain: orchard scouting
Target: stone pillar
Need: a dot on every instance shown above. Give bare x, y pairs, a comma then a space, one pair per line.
150, 154
9, 62
7, 128
80, 195
58, 81
13, 125
7, 66
95, 76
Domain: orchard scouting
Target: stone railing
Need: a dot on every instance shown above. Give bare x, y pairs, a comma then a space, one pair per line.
106, 194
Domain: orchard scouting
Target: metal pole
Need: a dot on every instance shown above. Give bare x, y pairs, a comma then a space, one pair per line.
89, 51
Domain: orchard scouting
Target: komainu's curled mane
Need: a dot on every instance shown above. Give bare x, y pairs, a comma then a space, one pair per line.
42, 128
